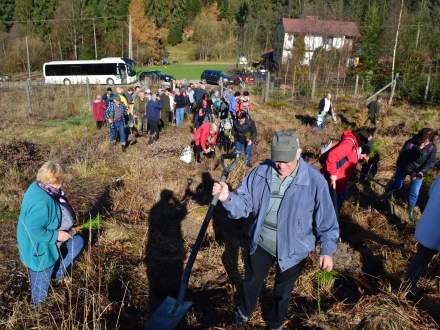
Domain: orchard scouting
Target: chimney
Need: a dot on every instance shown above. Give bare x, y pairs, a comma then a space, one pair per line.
312, 17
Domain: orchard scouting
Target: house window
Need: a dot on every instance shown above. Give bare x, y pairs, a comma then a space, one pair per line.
328, 41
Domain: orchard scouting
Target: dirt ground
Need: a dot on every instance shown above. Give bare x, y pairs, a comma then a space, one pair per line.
153, 205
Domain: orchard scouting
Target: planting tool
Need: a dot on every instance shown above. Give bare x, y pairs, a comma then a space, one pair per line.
171, 311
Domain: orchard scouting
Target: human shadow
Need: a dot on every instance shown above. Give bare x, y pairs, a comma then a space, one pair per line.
306, 120
202, 195
165, 252
233, 234
356, 237
345, 121
102, 206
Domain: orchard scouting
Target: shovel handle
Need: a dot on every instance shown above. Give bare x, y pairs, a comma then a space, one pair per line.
201, 237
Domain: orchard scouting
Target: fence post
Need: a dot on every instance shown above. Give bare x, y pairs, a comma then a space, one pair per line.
314, 86
428, 82
28, 93
89, 100
266, 91
393, 89
356, 86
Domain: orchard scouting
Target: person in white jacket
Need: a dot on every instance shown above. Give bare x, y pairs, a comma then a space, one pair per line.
427, 235
325, 109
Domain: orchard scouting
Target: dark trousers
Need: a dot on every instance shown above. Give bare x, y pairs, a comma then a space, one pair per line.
256, 273
99, 124
153, 130
419, 265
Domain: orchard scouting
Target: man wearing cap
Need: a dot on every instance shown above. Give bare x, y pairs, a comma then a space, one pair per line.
292, 209
115, 116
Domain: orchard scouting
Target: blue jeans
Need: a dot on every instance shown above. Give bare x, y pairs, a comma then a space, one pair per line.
40, 280
414, 189
118, 127
240, 147
180, 113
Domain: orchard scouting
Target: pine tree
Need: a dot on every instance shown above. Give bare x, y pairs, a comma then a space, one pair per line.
6, 14
158, 11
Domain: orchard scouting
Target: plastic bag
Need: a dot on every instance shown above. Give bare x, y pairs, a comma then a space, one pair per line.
186, 155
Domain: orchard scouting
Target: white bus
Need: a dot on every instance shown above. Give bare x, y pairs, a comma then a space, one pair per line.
109, 70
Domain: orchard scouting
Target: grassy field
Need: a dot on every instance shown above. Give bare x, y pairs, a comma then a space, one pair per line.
190, 70
153, 205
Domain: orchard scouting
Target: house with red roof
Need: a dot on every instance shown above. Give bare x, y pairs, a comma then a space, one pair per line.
317, 33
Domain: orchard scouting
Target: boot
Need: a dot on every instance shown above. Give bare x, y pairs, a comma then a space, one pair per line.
411, 214
123, 147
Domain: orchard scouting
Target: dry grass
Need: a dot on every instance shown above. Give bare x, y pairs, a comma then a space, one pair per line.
153, 205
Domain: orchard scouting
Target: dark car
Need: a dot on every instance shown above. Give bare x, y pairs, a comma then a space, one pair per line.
155, 74
213, 77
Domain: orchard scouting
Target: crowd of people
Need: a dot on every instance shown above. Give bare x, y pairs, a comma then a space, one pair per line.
294, 205
219, 120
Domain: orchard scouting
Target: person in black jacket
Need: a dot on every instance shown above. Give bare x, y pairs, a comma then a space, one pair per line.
417, 158
181, 101
245, 134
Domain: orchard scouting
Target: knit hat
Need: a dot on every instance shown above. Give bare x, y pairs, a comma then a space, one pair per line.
285, 145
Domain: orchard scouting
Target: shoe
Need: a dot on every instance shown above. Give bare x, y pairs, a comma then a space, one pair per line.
123, 147
239, 317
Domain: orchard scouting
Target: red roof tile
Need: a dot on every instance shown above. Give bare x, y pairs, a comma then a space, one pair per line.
316, 26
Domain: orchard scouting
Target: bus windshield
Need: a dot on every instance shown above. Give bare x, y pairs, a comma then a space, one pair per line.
130, 70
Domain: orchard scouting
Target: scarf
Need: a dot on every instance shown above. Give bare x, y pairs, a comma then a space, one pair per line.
58, 195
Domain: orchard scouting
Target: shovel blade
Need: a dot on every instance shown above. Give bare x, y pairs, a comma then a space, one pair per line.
168, 315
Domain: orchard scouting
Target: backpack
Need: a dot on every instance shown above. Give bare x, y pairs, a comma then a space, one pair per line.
245, 105
325, 150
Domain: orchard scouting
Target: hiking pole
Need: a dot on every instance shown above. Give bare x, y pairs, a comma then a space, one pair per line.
171, 311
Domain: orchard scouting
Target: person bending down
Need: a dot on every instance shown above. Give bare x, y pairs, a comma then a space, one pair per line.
46, 243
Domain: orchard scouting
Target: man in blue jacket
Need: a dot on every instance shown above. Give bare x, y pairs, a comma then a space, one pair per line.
291, 205
154, 107
428, 237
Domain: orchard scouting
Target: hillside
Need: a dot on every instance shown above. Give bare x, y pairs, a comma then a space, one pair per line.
153, 204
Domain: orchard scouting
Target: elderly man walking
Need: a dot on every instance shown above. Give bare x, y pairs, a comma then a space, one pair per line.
115, 115
291, 205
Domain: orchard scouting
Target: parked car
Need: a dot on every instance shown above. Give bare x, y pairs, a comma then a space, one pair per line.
244, 77
155, 74
3, 77
213, 77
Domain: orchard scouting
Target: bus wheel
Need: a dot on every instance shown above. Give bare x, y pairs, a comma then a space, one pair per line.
66, 82
110, 81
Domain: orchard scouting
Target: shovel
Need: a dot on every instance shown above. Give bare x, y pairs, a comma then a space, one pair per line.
171, 311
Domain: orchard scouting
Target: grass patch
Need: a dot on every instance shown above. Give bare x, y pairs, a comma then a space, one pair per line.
7, 215
190, 71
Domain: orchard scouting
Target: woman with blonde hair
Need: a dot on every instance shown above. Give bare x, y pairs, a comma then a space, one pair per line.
46, 242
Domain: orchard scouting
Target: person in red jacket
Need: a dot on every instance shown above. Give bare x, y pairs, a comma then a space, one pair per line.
205, 139
340, 165
98, 111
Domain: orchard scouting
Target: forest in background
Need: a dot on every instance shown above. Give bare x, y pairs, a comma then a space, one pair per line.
222, 30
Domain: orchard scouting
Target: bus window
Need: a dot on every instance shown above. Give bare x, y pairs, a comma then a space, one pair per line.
75, 70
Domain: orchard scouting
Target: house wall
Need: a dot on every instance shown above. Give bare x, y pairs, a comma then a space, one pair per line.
311, 43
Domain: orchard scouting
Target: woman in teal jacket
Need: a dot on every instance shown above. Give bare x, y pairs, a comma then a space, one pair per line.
46, 243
